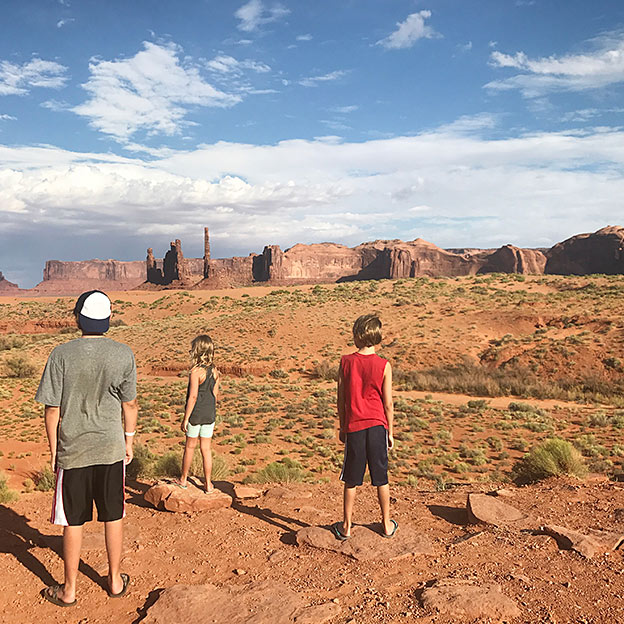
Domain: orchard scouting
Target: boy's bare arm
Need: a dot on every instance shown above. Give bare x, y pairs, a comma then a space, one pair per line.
52, 416
193, 392
341, 404
130, 413
388, 403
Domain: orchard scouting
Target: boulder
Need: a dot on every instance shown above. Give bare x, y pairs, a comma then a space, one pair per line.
490, 510
465, 600
170, 497
261, 602
366, 544
589, 544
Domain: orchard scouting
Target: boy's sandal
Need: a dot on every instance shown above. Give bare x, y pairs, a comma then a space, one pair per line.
338, 534
394, 530
126, 581
51, 595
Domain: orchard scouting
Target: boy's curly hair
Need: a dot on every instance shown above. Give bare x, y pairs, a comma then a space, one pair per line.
367, 330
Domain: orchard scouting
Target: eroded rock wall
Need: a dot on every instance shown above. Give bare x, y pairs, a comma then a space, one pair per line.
6, 286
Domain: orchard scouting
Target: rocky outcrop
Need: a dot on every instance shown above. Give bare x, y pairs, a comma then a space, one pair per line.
61, 277
6, 286
510, 259
583, 254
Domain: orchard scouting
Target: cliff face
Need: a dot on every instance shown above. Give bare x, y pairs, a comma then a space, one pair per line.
510, 259
74, 277
583, 254
6, 286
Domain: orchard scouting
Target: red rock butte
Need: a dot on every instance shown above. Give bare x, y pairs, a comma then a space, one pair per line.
583, 254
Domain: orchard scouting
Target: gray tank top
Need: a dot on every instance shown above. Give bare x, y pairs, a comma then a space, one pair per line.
205, 411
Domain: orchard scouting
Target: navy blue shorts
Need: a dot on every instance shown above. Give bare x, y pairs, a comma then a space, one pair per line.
78, 488
368, 446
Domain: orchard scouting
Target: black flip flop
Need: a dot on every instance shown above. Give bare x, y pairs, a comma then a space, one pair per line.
394, 530
51, 595
126, 581
338, 534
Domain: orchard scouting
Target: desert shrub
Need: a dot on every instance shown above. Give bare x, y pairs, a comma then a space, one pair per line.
278, 373
326, 370
11, 342
550, 458
45, 480
284, 471
6, 494
20, 367
170, 465
142, 464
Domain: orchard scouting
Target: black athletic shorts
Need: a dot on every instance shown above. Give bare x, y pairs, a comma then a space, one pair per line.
78, 488
362, 447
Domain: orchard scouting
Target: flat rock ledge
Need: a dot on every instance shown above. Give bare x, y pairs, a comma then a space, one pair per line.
171, 497
466, 601
366, 544
590, 544
486, 509
261, 602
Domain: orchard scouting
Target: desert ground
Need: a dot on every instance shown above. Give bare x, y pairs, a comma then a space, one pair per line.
485, 369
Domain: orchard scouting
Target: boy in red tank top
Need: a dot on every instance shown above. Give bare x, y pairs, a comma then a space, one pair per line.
366, 414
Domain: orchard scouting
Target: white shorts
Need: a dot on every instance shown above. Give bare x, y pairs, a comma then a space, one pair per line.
203, 431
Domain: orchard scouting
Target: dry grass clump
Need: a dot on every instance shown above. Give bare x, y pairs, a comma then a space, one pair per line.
19, 367
6, 494
45, 480
283, 471
551, 458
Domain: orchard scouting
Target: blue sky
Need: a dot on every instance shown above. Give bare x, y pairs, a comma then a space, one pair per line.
467, 123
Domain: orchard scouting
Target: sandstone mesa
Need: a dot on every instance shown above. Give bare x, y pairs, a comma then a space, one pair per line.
583, 254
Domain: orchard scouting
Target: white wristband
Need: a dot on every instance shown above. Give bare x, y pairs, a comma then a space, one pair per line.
129, 434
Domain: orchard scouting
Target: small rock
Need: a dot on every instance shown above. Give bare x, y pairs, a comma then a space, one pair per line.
505, 492
587, 545
463, 600
489, 510
240, 572
245, 492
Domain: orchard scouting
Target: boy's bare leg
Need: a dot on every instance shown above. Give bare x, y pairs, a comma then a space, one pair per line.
113, 533
187, 459
348, 504
383, 494
72, 542
206, 451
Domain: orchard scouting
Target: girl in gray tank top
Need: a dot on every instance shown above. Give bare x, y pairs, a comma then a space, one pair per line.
200, 410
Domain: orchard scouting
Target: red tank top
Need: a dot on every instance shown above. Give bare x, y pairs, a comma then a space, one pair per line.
363, 381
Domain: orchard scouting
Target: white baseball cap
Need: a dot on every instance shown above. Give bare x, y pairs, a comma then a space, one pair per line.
93, 310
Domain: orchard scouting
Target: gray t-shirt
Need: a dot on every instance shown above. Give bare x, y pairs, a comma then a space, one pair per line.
88, 378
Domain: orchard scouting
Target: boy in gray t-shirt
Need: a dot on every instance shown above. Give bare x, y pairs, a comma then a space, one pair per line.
87, 386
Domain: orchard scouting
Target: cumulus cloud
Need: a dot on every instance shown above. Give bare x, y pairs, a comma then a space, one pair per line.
20, 79
599, 68
149, 91
254, 14
409, 32
314, 81
451, 185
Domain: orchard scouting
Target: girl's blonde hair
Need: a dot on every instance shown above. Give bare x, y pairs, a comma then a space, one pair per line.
202, 351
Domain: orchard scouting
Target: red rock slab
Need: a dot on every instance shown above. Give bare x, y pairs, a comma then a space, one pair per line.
366, 544
261, 602
490, 510
244, 492
588, 545
170, 497
465, 601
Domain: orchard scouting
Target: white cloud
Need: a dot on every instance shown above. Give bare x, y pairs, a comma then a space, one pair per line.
254, 14
4, 117
573, 72
345, 110
314, 81
306, 37
229, 65
149, 91
20, 79
409, 32
64, 22
450, 185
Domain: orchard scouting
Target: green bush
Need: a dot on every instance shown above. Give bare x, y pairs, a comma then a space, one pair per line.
283, 471
170, 465
45, 480
551, 458
20, 367
6, 494
142, 464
